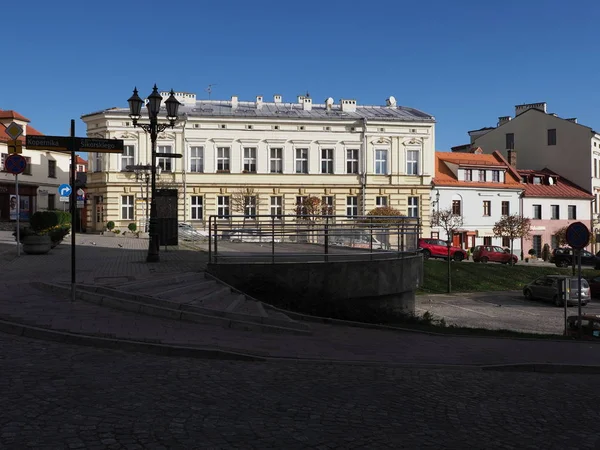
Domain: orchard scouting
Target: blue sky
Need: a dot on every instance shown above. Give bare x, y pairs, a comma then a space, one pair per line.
465, 62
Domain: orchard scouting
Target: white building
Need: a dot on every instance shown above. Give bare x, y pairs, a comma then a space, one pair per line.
352, 157
38, 185
479, 187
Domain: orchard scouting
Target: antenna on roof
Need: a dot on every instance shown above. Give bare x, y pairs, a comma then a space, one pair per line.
209, 89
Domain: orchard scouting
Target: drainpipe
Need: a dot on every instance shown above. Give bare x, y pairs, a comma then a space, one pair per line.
184, 170
363, 175
522, 239
592, 203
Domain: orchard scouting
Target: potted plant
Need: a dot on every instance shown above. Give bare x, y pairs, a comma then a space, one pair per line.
47, 229
110, 225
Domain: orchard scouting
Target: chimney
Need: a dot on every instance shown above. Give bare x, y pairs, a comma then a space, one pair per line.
234, 102
512, 158
502, 120
259, 101
300, 99
348, 105
573, 119
307, 103
277, 98
522, 108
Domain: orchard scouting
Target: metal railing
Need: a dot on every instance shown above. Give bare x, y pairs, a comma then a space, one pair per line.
306, 238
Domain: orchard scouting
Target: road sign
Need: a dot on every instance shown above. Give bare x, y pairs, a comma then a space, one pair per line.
15, 164
64, 190
100, 145
47, 142
169, 155
64, 199
14, 130
15, 146
578, 235
80, 193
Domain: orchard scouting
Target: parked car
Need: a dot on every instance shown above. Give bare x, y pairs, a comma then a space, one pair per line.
251, 235
590, 326
594, 283
493, 253
355, 239
188, 233
546, 288
437, 248
563, 257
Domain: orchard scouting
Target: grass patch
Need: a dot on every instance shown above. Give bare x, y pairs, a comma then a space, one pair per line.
477, 277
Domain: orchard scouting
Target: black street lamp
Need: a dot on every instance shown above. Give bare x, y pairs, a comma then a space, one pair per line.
135, 112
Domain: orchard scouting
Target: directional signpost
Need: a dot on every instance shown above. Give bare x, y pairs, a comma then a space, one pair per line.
15, 164
578, 236
71, 144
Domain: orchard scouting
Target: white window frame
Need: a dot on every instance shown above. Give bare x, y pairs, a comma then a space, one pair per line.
276, 160
381, 201
127, 207
249, 160
413, 207
197, 159
381, 161
97, 162
352, 206
327, 161
250, 206
277, 206
166, 164
301, 157
352, 155
223, 159
298, 208
412, 161
328, 205
223, 206
197, 207
128, 156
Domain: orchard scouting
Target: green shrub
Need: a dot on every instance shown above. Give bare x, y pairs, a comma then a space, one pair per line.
132, 227
546, 252
116, 231
531, 252
110, 225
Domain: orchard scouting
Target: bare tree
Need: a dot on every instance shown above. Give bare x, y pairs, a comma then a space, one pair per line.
449, 222
246, 201
512, 227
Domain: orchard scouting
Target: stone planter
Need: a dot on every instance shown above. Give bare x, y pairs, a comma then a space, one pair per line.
37, 245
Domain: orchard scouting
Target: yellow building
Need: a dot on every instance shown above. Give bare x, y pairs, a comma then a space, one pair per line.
352, 157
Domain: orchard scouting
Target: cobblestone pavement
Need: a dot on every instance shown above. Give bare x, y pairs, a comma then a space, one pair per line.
57, 396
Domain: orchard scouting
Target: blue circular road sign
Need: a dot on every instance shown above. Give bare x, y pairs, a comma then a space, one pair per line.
15, 164
578, 235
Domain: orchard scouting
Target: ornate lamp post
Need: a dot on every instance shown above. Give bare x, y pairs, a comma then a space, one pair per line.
142, 174
135, 112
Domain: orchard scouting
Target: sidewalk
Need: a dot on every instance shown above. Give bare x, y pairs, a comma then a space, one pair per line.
22, 303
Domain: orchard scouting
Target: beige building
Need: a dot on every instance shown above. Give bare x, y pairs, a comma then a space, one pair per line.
352, 157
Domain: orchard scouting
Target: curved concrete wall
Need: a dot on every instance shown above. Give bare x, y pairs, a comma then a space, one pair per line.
380, 284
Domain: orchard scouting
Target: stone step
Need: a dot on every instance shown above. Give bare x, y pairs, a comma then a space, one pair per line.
162, 281
185, 296
183, 288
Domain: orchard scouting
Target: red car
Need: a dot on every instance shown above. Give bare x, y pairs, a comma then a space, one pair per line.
436, 248
594, 286
493, 253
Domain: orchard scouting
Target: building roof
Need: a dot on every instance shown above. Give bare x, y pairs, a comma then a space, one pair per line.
223, 108
444, 176
8, 114
80, 160
560, 187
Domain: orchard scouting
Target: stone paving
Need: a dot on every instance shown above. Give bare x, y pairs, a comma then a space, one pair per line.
57, 396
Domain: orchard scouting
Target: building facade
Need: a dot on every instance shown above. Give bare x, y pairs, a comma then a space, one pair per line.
481, 188
354, 158
38, 185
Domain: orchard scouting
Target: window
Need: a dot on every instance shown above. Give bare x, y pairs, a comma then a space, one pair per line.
456, 207
413, 206
554, 241
99, 202
301, 160
250, 206
381, 162
555, 212
223, 163
250, 159
552, 136
51, 202
496, 176
277, 206
510, 141
537, 244
223, 206
27, 170
412, 162
468, 175
487, 208
327, 208
572, 212
51, 168
3, 157
165, 163
300, 207
97, 162
127, 157
127, 207
487, 240
351, 161
595, 168
380, 201
197, 159
506, 208
537, 180
482, 175
506, 242
435, 234
352, 206
326, 160
276, 161
197, 204
537, 212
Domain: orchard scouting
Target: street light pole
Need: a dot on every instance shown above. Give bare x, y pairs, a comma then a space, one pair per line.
153, 128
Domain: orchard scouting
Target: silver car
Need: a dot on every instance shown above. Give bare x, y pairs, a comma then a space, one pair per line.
546, 288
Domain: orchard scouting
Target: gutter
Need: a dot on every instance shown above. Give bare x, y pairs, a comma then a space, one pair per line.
183, 170
363, 175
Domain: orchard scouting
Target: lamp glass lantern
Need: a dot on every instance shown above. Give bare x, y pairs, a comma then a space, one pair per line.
135, 106
154, 100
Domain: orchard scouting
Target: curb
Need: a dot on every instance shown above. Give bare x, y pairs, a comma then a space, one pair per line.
544, 368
